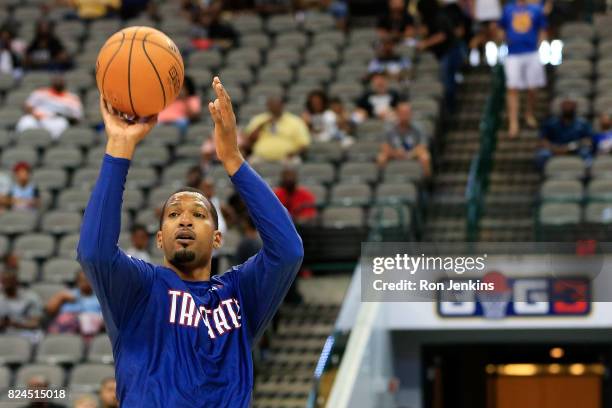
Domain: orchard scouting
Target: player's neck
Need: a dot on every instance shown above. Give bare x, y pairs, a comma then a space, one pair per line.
196, 274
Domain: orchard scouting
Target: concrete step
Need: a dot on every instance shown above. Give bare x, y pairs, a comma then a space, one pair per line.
501, 177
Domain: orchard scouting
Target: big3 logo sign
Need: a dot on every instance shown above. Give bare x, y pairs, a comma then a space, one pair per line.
523, 297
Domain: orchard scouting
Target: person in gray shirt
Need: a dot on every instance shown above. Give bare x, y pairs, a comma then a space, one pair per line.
20, 309
405, 141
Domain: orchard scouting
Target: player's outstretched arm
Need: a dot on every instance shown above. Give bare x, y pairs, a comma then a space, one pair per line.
265, 278
118, 280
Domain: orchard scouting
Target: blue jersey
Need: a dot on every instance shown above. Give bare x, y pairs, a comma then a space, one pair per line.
522, 24
178, 343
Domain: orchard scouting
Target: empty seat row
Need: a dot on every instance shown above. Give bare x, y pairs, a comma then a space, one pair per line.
599, 189
558, 214
572, 167
55, 349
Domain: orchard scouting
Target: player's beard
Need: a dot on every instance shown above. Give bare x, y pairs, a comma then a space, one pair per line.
183, 256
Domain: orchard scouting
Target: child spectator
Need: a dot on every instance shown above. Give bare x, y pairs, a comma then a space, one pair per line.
24, 194
324, 123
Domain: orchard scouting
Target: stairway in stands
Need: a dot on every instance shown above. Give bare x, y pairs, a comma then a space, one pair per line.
447, 208
285, 374
510, 204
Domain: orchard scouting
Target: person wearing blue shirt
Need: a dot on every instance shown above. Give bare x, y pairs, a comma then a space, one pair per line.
564, 134
524, 27
180, 337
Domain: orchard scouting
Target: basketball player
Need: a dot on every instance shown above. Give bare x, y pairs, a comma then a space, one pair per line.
181, 338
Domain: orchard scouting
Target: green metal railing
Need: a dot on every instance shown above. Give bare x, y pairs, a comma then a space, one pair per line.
482, 163
380, 231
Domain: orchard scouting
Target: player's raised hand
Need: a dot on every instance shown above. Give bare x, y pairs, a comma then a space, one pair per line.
226, 133
123, 136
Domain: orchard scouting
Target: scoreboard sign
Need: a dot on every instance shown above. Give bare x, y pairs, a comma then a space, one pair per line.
524, 297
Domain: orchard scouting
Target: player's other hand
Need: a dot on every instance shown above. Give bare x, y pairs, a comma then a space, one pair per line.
120, 130
226, 133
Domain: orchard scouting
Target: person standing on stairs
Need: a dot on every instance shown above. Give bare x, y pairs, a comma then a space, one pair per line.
523, 26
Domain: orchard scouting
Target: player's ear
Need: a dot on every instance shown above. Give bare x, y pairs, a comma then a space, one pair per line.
158, 239
217, 239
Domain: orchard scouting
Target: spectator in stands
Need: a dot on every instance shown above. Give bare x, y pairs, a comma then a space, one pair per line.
524, 28
10, 60
185, 109
277, 135
441, 38
338, 9
46, 51
388, 62
602, 140
193, 178
5, 190
564, 134
378, 102
139, 238
20, 309
40, 382
209, 31
405, 141
250, 243
207, 186
343, 119
486, 14
298, 200
75, 310
86, 401
51, 108
324, 123
396, 22
16, 44
92, 9
133, 8
24, 194
108, 393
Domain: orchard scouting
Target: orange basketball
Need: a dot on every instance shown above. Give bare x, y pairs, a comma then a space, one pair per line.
139, 71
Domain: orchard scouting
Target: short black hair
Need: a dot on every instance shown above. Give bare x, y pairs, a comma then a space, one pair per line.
316, 93
213, 210
138, 227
